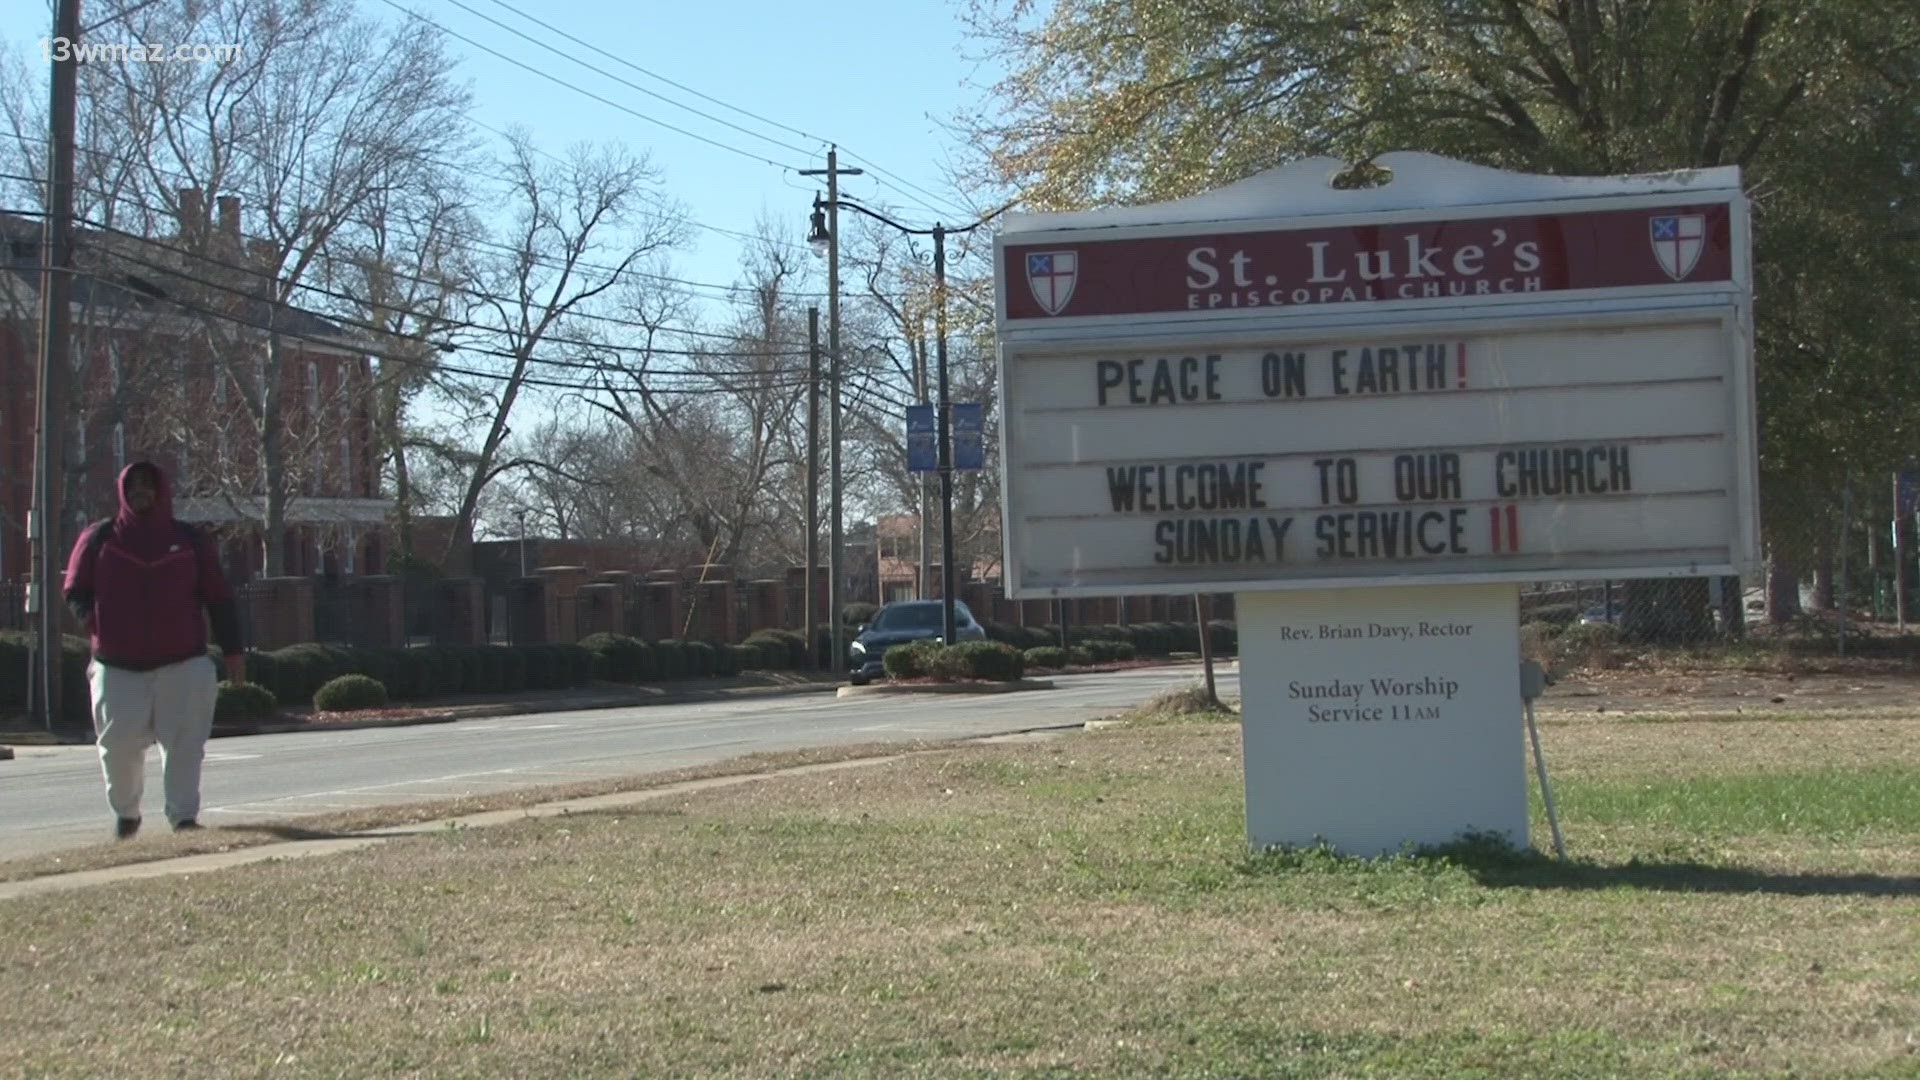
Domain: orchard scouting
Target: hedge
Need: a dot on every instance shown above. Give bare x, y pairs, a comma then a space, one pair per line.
913, 660
1144, 639
244, 701
349, 692
1047, 656
619, 658
780, 650
992, 660
76, 702
296, 673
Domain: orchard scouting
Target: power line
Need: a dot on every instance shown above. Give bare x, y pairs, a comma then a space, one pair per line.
549, 27
505, 354
180, 178
445, 322
367, 327
564, 55
437, 366
403, 275
609, 102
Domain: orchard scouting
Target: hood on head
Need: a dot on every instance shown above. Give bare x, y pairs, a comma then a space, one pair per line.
162, 500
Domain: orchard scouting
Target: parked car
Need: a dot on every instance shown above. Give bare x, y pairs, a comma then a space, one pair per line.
1603, 613
899, 623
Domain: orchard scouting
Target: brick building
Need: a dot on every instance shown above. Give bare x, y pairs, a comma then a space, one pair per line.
168, 353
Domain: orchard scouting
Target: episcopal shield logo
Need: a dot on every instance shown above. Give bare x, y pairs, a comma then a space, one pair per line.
1677, 240
1051, 275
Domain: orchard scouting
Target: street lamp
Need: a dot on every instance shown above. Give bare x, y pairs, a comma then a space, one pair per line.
523, 542
823, 235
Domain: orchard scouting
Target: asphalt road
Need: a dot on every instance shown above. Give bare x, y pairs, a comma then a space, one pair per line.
51, 798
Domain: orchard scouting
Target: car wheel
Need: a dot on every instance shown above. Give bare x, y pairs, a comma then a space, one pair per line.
858, 680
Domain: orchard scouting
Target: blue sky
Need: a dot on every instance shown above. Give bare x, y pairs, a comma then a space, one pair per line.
880, 77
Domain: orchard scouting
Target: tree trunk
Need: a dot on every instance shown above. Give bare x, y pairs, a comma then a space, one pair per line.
402, 482
273, 464
1666, 611
1783, 591
1733, 608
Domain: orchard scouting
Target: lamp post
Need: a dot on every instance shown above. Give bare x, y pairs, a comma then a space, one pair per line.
523, 543
825, 234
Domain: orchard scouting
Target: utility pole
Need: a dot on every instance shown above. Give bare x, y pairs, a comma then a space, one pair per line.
1902, 545
924, 580
809, 616
836, 582
943, 427
56, 328
1206, 647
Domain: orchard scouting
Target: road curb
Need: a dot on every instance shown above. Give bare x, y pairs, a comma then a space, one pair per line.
455, 713
946, 688
533, 708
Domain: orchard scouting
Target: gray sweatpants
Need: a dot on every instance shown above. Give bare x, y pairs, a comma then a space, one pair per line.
132, 710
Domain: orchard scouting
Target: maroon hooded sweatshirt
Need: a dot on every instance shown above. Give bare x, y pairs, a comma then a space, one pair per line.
140, 581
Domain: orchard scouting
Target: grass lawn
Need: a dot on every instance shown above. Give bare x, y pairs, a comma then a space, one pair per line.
1744, 900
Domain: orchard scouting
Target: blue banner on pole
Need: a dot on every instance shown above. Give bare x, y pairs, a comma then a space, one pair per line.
923, 444
969, 436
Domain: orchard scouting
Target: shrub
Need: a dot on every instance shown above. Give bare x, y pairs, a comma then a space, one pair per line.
913, 660
239, 702
349, 692
576, 665
1079, 657
616, 657
670, 658
780, 649
731, 660
1185, 701
1047, 656
978, 660
856, 614
1223, 637
507, 666
701, 660
1586, 645
1121, 650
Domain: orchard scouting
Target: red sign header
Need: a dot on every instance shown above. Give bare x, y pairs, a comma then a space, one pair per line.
1416, 260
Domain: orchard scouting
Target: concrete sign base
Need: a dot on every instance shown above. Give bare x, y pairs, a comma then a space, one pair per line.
1379, 717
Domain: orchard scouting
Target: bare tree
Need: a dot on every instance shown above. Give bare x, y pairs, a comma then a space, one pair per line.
412, 279
580, 227
323, 112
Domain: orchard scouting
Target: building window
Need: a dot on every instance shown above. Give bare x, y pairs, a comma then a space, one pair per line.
313, 387
113, 365
220, 386
80, 441
220, 452
346, 465
119, 446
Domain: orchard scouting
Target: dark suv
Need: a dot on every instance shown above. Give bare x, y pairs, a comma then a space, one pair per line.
899, 623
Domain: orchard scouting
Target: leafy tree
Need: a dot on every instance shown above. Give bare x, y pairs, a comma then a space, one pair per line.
1135, 100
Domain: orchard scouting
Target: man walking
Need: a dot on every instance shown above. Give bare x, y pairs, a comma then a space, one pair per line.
139, 583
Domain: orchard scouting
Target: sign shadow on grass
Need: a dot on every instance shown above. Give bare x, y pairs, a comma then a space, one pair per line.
1692, 877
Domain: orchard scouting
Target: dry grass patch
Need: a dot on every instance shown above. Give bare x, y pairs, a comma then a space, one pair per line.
1077, 905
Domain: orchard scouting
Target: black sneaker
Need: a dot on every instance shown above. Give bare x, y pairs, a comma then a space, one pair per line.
124, 828
185, 826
